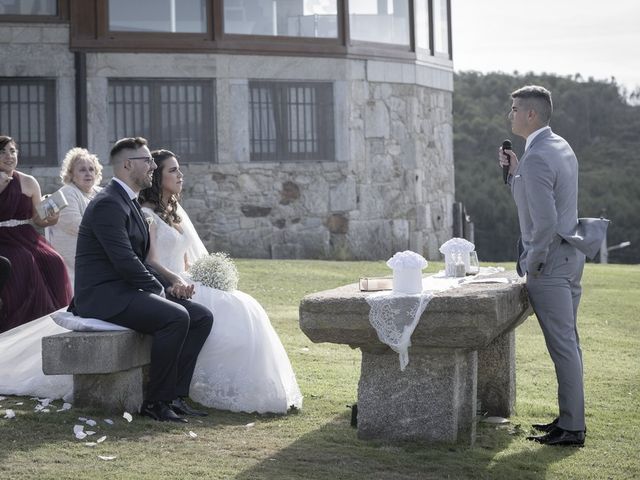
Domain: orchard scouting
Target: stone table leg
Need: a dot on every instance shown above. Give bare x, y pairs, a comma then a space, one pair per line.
497, 376
433, 400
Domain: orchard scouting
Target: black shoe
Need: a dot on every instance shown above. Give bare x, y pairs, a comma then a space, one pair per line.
546, 427
161, 412
180, 406
558, 436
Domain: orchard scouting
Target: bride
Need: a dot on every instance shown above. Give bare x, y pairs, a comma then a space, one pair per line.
243, 365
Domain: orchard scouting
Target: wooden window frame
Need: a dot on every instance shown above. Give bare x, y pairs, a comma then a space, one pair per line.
89, 32
48, 123
61, 17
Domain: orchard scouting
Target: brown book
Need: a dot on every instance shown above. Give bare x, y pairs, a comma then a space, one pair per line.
376, 284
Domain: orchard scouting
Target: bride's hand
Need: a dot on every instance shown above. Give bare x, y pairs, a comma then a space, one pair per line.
181, 290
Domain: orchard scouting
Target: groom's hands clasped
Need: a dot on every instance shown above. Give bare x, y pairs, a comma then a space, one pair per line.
180, 290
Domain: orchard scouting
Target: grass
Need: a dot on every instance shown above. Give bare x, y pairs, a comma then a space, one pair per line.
318, 443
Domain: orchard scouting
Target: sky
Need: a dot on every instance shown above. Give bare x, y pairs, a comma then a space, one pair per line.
590, 37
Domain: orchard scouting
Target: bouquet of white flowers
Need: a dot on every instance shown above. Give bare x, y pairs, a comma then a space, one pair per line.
215, 270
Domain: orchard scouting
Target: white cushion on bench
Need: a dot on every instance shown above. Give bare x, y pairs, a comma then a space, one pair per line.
80, 324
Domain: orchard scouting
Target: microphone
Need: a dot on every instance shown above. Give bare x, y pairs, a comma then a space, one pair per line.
506, 145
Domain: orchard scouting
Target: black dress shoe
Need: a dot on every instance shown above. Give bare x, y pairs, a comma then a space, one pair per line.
180, 406
546, 427
558, 436
161, 412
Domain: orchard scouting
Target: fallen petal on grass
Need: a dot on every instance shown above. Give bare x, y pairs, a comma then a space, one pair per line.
105, 457
127, 416
8, 413
101, 439
109, 421
249, 425
91, 423
192, 434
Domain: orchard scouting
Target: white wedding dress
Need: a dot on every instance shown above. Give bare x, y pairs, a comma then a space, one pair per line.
242, 366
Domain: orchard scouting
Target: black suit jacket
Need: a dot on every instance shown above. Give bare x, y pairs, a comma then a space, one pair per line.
113, 242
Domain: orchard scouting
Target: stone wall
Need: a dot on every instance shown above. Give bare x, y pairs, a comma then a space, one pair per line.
389, 188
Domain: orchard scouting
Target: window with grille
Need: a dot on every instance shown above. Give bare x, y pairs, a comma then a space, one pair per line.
28, 114
291, 121
174, 114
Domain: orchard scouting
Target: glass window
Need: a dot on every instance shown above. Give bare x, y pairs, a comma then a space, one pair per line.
381, 21
292, 18
441, 27
28, 114
291, 121
184, 16
422, 24
28, 7
173, 114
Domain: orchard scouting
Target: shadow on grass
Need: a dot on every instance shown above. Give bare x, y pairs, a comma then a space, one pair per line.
334, 451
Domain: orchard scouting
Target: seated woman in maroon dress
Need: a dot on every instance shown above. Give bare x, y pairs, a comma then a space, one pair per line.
38, 283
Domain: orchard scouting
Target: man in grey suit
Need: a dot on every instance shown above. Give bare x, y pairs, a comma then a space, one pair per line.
544, 184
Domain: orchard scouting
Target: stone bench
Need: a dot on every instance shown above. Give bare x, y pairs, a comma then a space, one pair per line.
462, 354
108, 368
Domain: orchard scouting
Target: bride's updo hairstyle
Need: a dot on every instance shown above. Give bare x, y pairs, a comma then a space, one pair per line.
167, 210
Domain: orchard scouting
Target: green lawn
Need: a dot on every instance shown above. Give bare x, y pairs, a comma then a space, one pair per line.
318, 443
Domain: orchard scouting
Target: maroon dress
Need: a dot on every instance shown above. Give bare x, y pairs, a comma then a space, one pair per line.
38, 283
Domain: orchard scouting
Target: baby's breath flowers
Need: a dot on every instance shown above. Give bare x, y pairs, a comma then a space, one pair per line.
215, 270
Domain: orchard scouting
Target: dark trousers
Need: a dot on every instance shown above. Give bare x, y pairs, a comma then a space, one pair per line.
5, 270
179, 329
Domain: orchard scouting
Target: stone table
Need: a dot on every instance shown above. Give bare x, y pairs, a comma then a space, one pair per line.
463, 350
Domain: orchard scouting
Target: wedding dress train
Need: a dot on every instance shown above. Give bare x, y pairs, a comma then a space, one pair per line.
21, 362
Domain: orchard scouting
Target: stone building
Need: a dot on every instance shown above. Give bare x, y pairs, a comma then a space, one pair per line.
305, 128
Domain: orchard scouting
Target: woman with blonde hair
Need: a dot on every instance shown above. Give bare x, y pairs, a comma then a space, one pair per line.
81, 173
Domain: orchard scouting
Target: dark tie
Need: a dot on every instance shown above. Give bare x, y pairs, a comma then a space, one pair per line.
144, 222
139, 208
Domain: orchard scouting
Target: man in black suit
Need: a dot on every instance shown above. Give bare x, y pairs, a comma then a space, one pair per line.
113, 283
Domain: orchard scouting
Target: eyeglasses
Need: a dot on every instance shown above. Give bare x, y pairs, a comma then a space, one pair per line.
147, 160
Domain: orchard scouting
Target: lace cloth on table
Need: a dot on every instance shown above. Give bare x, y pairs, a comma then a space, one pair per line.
396, 316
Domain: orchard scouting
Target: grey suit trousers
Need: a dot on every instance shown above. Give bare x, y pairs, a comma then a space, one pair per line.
555, 295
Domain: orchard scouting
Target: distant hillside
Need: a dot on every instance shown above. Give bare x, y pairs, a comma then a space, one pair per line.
602, 128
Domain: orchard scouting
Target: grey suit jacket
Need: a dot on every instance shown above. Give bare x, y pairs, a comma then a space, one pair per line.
545, 189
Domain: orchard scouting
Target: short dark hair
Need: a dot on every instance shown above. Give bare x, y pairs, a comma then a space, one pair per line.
6, 140
130, 143
538, 98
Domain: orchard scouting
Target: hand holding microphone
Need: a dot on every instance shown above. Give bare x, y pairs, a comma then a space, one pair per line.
507, 160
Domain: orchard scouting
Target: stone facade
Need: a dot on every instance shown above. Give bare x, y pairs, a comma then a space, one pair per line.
389, 188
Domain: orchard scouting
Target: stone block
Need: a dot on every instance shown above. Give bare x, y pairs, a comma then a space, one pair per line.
376, 120
497, 376
107, 367
432, 400
114, 392
342, 197
94, 352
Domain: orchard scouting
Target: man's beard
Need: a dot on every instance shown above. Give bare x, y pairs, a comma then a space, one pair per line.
144, 182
